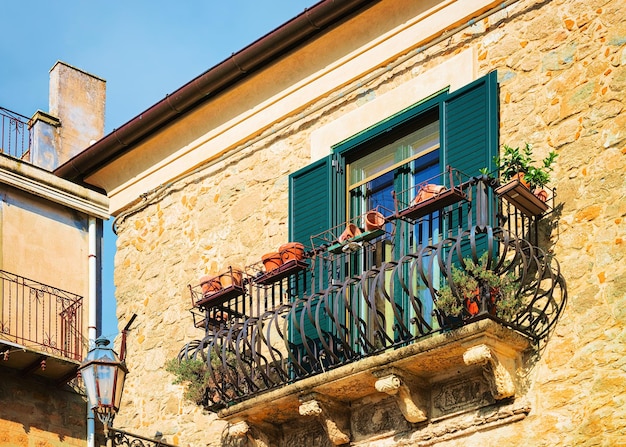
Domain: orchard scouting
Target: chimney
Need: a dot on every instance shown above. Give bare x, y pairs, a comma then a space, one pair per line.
75, 118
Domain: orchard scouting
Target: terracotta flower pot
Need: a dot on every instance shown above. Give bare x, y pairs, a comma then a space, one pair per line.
291, 251
427, 192
231, 277
351, 231
520, 177
374, 220
541, 194
471, 303
271, 261
210, 284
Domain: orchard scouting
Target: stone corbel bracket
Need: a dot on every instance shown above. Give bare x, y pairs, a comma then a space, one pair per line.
257, 437
392, 382
500, 380
334, 416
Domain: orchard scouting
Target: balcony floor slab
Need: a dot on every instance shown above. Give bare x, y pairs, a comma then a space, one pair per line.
434, 359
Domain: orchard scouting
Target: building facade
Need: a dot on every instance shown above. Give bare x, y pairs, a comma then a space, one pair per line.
357, 106
50, 247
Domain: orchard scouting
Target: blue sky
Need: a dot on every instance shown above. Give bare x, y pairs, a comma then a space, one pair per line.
143, 49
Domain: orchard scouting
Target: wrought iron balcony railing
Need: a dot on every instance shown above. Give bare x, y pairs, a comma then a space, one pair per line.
41, 317
127, 439
15, 138
341, 305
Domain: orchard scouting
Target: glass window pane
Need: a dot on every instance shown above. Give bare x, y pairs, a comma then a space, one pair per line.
378, 162
379, 193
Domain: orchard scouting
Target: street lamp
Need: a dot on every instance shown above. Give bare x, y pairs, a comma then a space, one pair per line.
103, 374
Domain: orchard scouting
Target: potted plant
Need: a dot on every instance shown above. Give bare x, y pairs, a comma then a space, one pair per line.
202, 387
467, 287
516, 163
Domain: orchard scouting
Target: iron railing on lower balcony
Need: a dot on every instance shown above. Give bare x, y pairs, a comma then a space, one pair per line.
127, 439
41, 317
381, 294
14, 134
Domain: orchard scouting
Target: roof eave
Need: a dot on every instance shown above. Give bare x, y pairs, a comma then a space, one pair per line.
234, 69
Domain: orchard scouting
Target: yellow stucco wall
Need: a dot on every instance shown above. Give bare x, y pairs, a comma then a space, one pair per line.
44, 306
44, 242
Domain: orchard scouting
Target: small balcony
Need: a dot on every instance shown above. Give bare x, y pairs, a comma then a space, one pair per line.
15, 137
367, 314
40, 328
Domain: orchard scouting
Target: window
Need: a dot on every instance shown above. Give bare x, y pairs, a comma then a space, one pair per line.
459, 129
374, 175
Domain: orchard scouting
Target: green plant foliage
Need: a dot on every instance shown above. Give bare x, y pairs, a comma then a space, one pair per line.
193, 373
448, 302
515, 160
477, 278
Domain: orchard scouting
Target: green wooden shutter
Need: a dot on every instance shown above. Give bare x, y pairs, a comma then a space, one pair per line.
470, 124
310, 201
311, 212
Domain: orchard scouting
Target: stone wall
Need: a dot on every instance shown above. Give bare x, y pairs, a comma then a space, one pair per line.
562, 72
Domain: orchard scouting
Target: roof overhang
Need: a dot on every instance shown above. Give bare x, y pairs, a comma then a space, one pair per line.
264, 51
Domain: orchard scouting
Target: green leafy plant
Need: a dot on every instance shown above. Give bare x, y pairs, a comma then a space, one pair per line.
192, 372
201, 383
196, 375
471, 284
466, 285
516, 160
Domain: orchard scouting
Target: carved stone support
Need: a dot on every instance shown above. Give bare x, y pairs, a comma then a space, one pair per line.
391, 383
256, 437
333, 416
500, 381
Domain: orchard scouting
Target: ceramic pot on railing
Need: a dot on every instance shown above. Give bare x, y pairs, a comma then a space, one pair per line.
374, 220
291, 251
210, 284
541, 194
271, 261
351, 231
427, 192
520, 178
231, 277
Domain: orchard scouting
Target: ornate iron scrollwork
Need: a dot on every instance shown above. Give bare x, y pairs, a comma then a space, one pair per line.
124, 438
381, 309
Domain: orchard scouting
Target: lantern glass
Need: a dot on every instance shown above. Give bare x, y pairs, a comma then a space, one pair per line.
103, 374
105, 382
119, 387
89, 379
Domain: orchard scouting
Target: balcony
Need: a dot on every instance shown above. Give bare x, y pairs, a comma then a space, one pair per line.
368, 317
40, 328
15, 138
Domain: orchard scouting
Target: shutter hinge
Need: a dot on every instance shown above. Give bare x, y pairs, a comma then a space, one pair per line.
338, 168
